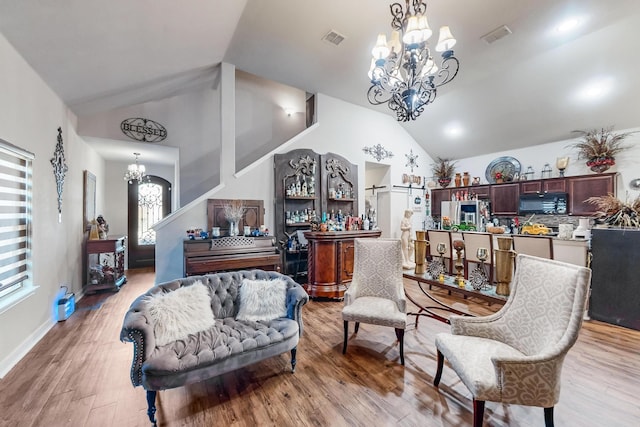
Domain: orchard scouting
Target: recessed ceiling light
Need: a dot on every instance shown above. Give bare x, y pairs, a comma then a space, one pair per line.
596, 89
454, 130
570, 24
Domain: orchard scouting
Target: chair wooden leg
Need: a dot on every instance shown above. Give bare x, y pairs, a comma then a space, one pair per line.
346, 335
357, 328
294, 350
151, 406
548, 417
436, 380
478, 412
400, 336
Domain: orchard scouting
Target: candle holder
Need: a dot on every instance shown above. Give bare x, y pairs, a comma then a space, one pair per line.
478, 276
458, 245
561, 164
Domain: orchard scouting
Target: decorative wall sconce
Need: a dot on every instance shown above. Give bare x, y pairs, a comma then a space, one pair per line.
378, 152
59, 170
411, 160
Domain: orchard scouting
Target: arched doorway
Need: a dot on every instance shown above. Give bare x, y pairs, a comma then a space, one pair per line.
148, 202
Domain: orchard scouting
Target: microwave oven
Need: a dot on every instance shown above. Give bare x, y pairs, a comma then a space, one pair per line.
543, 203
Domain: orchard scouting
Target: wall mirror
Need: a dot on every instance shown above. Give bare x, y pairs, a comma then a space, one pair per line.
89, 199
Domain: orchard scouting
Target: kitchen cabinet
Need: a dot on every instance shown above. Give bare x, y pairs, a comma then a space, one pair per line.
330, 262
580, 188
505, 199
554, 185
437, 197
483, 192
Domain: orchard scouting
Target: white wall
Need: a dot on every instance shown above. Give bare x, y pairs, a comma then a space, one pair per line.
342, 128
193, 127
30, 114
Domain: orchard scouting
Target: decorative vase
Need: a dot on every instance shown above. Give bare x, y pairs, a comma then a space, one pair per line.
504, 265
233, 228
420, 248
465, 179
601, 164
499, 180
458, 180
444, 182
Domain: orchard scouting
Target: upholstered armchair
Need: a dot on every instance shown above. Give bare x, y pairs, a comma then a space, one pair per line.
376, 294
515, 355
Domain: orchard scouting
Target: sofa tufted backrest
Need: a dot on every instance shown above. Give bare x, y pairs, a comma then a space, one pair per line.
223, 288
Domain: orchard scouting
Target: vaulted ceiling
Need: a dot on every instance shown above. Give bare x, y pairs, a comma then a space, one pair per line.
531, 87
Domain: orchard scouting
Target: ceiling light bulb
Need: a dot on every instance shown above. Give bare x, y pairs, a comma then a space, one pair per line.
394, 43
412, 34
446, 40
380, 50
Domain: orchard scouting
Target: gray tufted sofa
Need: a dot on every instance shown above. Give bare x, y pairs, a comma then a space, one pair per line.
228, 346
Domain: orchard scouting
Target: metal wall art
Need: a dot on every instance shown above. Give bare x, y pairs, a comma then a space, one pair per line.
59, 170
411, 160
144, 130
378, 152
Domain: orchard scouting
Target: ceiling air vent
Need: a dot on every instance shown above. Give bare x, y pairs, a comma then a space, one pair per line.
496, 34
334, 37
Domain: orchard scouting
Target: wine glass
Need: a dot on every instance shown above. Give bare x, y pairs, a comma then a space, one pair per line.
441, 248
561, 164
482, 254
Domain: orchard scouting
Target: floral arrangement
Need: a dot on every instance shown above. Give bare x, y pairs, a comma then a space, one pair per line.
498, 175
234, 212
599, 147
613, 211
443, 168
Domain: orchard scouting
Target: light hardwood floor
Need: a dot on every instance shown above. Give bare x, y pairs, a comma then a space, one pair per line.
78, 375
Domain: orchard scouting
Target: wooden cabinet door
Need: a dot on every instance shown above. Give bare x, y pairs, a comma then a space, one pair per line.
347, 252
556, 185
505, 198
437, 197
530, 187
482, 191
581, 188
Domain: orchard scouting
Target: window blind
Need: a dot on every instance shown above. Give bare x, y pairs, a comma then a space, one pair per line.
15, 217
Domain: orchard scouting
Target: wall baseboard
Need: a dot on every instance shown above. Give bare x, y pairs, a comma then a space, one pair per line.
16, 355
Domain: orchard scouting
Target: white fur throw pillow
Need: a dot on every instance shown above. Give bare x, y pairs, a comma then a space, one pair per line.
262, 300
179, 313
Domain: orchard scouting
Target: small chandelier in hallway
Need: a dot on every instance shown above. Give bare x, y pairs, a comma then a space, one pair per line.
403, 72
135, 171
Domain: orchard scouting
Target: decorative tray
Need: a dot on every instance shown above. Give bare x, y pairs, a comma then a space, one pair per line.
507, 166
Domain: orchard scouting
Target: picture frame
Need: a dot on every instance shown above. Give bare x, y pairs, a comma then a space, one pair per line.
89, 199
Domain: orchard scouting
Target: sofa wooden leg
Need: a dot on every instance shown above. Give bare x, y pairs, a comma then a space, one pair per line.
151, 406
346, 336
400, 336
478, 412
548, 417
293, 359
436, 380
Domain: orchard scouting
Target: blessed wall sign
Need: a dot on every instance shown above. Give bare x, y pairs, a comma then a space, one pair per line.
144, 130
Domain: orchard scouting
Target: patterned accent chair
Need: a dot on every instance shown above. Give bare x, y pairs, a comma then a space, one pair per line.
376, 294
515, 355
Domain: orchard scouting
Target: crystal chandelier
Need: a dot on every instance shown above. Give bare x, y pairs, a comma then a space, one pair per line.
403, 72
135, 171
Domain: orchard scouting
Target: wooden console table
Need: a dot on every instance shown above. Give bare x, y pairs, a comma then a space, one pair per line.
230, 253
449, 284
105, 265
330, 261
